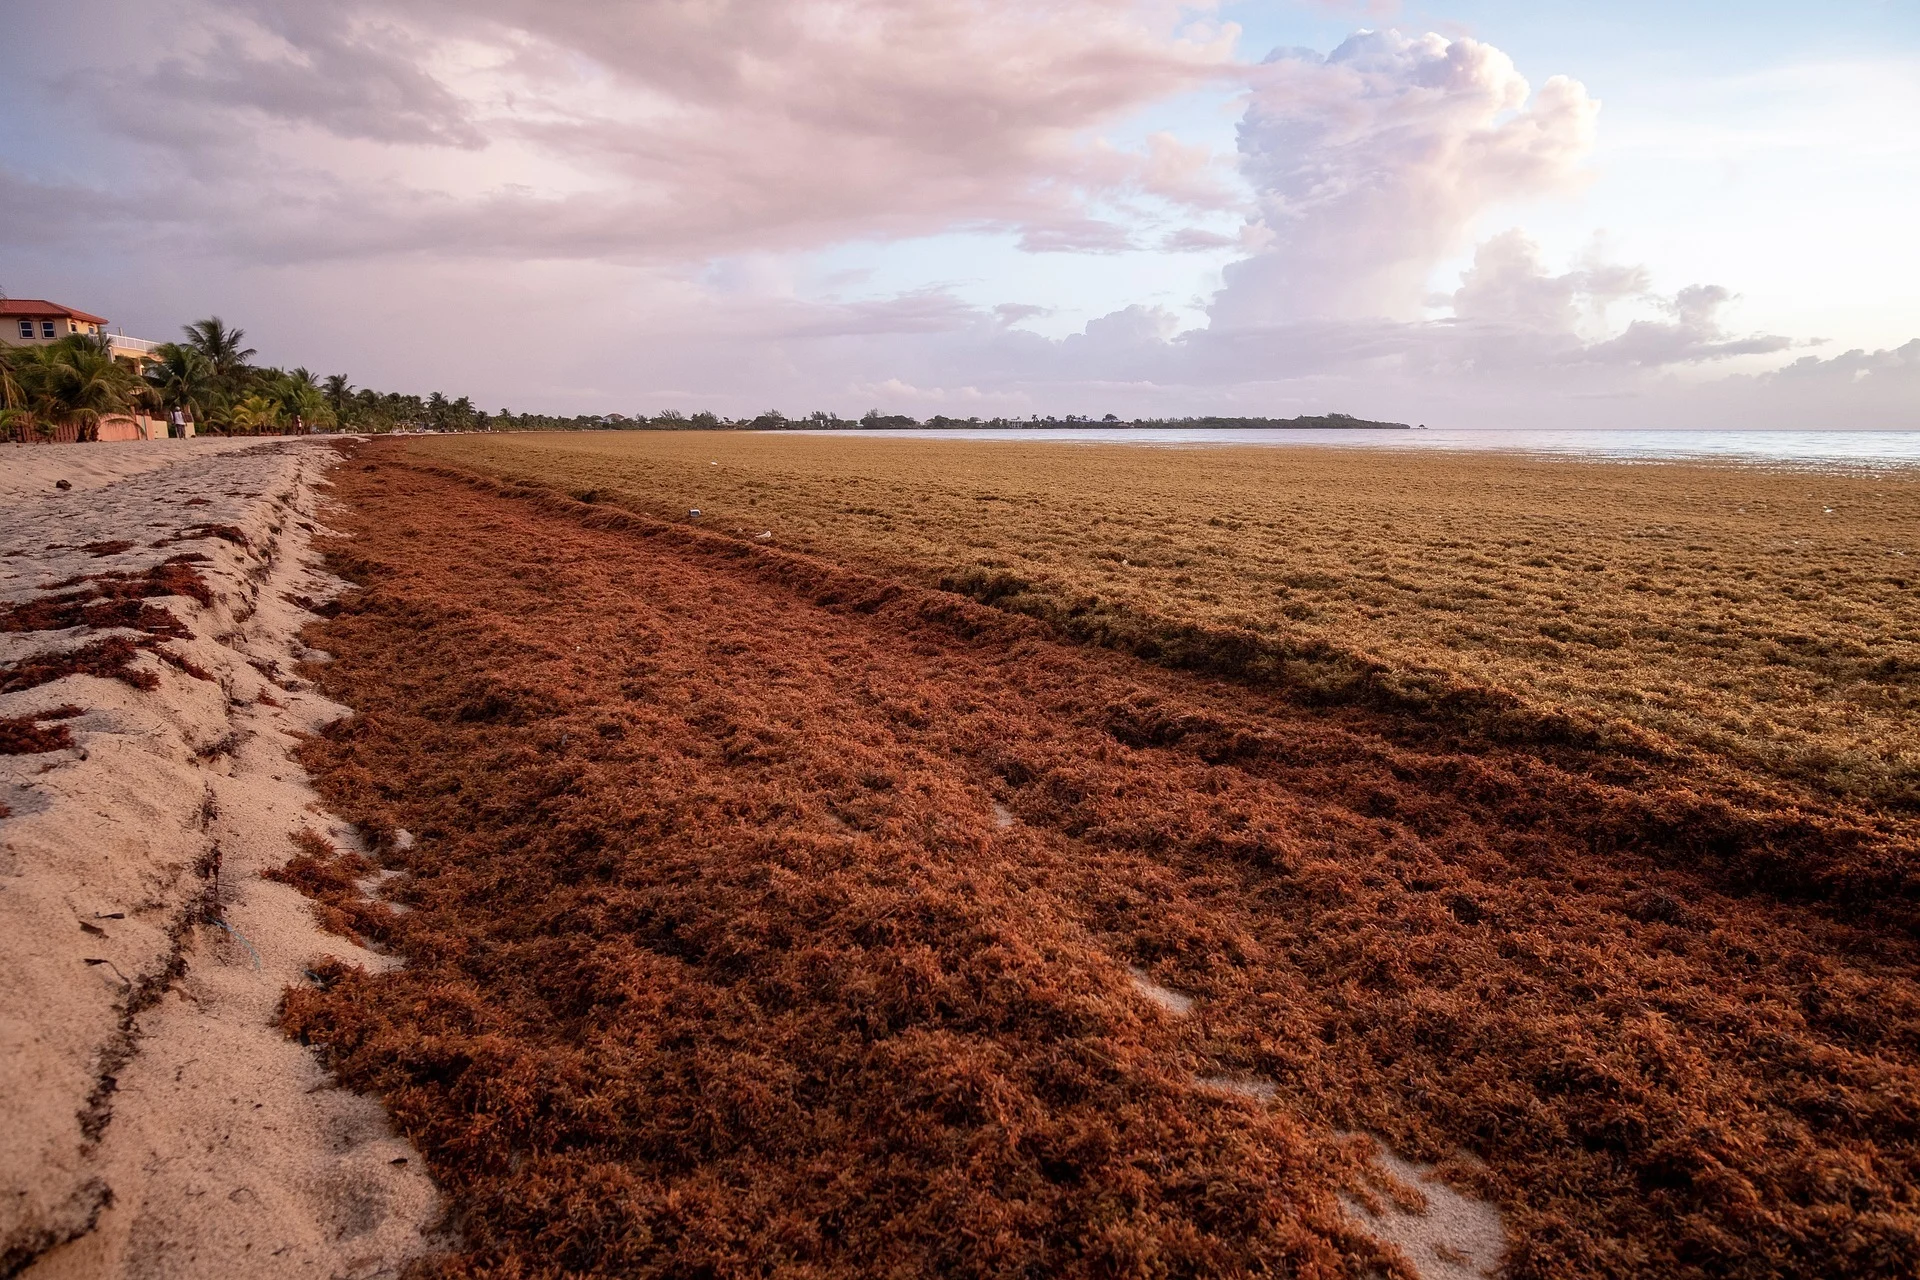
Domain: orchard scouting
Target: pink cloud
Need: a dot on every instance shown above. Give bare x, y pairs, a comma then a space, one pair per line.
1508, 284
664, 130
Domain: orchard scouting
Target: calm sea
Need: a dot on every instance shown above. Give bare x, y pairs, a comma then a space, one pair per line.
1840, 450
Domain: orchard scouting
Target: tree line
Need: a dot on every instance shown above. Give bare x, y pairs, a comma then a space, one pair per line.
209, 379
874, 420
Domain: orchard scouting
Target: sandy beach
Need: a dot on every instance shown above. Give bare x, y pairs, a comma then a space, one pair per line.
154, 1121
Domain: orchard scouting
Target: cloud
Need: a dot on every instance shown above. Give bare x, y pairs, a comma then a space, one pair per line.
1897, 369
1012, 313
661, 131
1373, 165
1693, 334
1508, 284
1196, 240
1074, 234
1510, 310
1185, 175
1365, 8
630, 193
1370, 165
357, 80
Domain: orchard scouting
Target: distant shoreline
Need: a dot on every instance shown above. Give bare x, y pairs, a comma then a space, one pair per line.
1291, 425
1073, 422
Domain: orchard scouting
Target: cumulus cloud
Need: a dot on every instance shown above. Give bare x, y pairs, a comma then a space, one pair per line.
1509, 284
1185, 174
1691, 334
1511, 309
1371, 164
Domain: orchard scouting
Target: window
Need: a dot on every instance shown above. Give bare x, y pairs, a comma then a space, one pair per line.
26, 328
46, 328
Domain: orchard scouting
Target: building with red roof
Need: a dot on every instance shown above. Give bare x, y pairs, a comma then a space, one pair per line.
26, 322
35, 322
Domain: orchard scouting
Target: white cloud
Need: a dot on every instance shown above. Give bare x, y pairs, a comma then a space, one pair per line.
1371, 165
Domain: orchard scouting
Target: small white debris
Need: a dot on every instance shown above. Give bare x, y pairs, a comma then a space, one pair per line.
1239, 1086
1167, 998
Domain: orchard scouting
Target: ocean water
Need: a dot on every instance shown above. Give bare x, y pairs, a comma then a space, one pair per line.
1818, 450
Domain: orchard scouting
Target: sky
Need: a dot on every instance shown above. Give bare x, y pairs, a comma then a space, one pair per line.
1465, 214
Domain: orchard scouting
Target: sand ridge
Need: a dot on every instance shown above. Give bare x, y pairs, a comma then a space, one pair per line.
155, 1123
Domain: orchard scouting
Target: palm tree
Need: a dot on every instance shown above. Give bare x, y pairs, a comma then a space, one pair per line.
221, 346
13, 396
81, 384
299, 398
312, 412
339, 394
183, 379
255, 413
367, 410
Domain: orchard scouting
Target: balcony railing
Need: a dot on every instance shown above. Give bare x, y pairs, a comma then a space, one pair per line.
140, 346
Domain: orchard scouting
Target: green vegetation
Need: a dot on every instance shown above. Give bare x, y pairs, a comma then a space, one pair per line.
210, 380
71, 384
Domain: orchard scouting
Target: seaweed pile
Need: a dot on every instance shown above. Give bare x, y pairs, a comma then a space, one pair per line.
1762, 620
762, 916
111, 601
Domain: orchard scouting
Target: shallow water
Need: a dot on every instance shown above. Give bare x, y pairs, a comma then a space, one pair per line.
1843, 450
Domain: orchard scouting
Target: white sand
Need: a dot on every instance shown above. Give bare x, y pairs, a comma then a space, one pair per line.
31, 469
190, 1138
1174, 1002
1451, 1237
